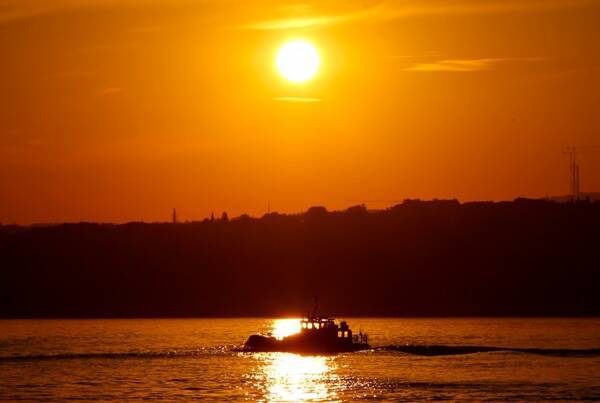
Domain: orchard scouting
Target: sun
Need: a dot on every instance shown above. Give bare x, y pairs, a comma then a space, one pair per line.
298, 61
285, 327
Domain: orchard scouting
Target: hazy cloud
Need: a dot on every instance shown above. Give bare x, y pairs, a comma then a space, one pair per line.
392, 10
467, 65
298, 99
307, 22
457, 65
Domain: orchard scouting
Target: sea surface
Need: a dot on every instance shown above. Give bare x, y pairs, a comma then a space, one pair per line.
195, 359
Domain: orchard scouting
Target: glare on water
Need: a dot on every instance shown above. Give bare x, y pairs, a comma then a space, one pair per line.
293, 377
297, 378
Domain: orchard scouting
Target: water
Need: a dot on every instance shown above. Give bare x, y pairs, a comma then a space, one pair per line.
171, 359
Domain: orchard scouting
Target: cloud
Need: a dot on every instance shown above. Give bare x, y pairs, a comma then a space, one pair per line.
298, 99
467, 65
457, 65
308, 22
395, 10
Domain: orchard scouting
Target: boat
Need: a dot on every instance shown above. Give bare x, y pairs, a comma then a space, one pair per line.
317, 335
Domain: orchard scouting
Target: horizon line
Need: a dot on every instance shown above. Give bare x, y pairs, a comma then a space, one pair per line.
595, 197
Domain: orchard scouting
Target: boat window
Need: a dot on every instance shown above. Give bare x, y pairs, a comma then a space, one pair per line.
345, 334
316, 325
339, 334
310, 325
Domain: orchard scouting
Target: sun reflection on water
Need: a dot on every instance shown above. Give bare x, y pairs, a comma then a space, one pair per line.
285, 377
297, 378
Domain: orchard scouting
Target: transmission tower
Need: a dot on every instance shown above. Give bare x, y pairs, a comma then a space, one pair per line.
573, 171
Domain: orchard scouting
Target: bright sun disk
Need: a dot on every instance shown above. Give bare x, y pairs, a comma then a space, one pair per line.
285, 327
298, 61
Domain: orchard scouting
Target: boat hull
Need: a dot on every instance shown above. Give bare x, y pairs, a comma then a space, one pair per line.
302, 345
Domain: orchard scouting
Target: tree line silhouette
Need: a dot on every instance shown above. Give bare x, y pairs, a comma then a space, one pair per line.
441, 258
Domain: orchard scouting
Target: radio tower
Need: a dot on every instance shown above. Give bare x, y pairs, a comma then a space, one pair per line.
574, 171
573, 152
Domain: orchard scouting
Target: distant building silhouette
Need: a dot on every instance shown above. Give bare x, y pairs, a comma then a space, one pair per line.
174, 216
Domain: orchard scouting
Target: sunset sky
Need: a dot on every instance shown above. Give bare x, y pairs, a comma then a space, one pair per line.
120, 110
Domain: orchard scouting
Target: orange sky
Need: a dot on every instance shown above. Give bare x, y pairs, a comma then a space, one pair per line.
120, 110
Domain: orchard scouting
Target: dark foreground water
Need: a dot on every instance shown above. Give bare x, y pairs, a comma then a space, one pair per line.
480, 359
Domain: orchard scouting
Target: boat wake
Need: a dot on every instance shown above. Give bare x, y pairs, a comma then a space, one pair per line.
207, 351
437, 350
413, 349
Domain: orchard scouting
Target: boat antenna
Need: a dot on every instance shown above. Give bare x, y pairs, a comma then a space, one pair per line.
316, 306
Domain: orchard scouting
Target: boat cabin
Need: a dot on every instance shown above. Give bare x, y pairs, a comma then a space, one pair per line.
325, 326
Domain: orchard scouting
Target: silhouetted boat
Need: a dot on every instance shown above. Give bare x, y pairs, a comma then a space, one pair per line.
317, 335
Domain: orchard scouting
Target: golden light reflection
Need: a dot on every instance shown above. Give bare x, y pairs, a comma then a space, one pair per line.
285, 327
298, 378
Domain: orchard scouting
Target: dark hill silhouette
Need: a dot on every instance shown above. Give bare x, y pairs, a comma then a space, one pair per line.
527, 257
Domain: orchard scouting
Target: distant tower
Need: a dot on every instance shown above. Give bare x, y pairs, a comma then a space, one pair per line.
574, 172
575, 177
174, 216
576, 183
